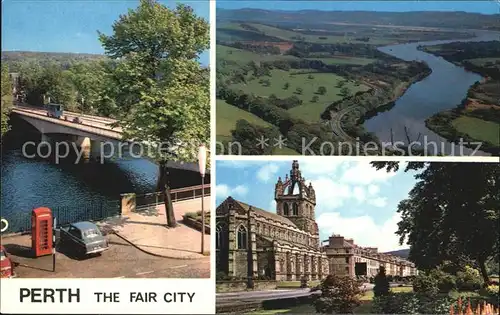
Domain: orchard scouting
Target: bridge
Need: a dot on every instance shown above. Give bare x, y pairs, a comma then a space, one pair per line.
88, 134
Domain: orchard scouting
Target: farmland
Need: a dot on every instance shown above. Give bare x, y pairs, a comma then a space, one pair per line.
290, 80
305, 87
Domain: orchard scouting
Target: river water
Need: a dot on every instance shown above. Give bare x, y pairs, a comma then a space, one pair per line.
29, 183
444, 89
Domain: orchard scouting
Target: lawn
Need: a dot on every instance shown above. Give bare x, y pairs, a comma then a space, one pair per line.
479, 129
345, 60
309, 83
227, 115
243, 57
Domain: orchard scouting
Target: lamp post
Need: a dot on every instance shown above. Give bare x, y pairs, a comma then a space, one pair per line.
202, 161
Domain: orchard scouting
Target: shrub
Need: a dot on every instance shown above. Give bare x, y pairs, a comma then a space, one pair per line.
339, 294
381, 283
445, 281
469, 279
396, 303
425, 284
221, 275
410, 303
490, 293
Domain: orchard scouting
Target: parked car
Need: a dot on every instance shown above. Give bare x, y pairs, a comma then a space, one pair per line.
77, 120
54, 110
84, 237
6, 264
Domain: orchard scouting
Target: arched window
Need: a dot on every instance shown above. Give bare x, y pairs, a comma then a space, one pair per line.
218, 235
295, 209
242, 237
285, 209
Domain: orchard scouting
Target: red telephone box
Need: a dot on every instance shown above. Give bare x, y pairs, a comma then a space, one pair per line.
41, 231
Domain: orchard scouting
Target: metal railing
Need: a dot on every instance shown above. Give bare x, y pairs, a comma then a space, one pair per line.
95, 211
107, 132
191, 192
152, 200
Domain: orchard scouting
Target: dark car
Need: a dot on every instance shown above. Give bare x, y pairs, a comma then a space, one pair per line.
84, 237
77, 120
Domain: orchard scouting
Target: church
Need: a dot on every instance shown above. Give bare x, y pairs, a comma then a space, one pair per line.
278, 246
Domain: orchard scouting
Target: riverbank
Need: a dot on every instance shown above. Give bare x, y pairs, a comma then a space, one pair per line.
477, 118
369, 104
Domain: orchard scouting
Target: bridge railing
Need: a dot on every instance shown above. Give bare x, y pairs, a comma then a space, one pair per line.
80, 126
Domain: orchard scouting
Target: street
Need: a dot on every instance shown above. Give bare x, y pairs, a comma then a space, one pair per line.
122, 260
254, 296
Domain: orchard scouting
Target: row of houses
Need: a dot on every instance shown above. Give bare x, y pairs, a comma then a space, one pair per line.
347, 258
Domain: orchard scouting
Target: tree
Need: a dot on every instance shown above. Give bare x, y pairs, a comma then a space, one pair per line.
248, 136
339, 295
381, 287
451, 214
344, 92
315, 99
299, 90
322, 90
162, 89
6, 98
286, 86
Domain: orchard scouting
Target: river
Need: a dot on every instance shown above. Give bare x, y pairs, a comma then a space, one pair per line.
29, 183
444, 89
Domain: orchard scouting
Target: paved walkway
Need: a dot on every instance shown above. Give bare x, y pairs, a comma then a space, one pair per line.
149, 232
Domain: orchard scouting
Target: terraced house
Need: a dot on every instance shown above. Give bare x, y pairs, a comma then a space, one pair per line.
279, 246
345, 257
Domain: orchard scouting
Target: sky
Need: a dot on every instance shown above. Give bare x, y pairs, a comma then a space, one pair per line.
69, 26
353, 199
485, 7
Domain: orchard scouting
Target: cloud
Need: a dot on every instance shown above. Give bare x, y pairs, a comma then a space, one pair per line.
314, 167
373, 190
363, 230
272, 206
266, 172
224, 191
363, 173
359, 193
330, 194
379, 202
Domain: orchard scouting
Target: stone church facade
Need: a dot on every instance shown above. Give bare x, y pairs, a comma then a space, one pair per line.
280, 246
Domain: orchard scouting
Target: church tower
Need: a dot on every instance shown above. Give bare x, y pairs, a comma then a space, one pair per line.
297, 201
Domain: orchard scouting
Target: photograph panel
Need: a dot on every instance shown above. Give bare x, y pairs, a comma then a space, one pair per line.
105, 139
358, 78
324, 235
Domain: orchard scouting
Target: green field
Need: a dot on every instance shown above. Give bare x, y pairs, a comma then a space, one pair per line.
227, 115
288, 35
479, 129
243, 57
309, 83
345, 60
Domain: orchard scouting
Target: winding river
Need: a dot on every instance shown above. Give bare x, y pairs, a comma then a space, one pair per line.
444, 89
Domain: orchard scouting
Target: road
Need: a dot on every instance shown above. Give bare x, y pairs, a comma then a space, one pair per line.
254, 296
120, 261
95, 121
